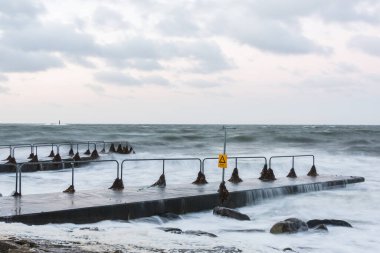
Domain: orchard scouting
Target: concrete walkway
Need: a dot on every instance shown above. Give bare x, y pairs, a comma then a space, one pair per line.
97, 205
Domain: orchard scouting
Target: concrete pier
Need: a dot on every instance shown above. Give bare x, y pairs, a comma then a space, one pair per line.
96, 205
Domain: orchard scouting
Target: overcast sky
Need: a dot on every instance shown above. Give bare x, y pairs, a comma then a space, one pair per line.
222, 61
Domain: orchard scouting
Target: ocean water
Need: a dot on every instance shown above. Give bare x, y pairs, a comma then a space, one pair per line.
339, 150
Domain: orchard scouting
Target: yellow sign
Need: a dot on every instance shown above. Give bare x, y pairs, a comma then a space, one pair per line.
222, 161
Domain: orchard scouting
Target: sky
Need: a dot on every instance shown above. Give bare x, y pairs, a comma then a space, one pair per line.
190, 62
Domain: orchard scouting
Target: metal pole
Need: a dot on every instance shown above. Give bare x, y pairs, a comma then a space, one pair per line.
72, 174
16, 179
224, 148
163, 166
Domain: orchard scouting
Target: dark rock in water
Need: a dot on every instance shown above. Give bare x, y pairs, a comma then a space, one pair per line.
199, 233
235, 177
292, 173
250, 230
88, 152
201, 179
94, 154
340, 223
172, 230
90, 228
312, 172
169, 216
112, 148
161, 182
267, 174
223, 192
117, 184
51, 153
31, 156
188, 232
103, 151
71, 152
288, 249
76, 157
70, 189
231, 213
320, 227
292, 225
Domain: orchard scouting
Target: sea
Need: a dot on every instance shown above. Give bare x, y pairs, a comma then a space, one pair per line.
338, 150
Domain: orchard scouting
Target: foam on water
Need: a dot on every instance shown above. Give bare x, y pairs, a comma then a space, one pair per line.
343, 150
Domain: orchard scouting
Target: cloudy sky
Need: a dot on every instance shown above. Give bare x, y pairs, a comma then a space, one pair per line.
214, 61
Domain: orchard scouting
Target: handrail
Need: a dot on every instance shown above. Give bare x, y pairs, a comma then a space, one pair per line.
233, 157
290, 156
20, 165
160, 159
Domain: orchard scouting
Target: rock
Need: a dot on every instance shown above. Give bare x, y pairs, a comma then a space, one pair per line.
90, 228
340, 223
288, 249
292, 225
76, 157
169, 217
188, 232
199, 233
172, 230
250, 230
112, 148
235, 177
94, 154
51, 153
227, 212
320, 227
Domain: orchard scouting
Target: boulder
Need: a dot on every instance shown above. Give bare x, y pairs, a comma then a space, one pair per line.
165, 217
320, 227
188, 232
340, 223
313, 172
199, 233
292, 225
227, 212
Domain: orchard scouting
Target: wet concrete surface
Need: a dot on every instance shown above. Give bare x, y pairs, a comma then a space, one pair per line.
130, 203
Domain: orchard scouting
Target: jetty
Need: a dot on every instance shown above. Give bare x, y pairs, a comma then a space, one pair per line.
125, 203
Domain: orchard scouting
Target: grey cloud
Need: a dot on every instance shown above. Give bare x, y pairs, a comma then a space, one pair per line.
51, 38
117, 78
178, 22
107, 17
144, 64
19, 13
204, 84
18, 61
367, 44
155, 80
208, 56
121, 79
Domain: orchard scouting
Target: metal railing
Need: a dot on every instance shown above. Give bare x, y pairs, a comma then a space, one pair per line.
289, 156
160, 159
236, 158
19, 167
